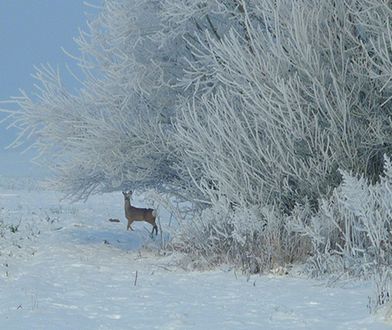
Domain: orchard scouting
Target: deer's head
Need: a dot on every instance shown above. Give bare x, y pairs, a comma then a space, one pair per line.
127, 195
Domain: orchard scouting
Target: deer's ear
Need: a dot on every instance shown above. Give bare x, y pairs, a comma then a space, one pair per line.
123, 192
130, 192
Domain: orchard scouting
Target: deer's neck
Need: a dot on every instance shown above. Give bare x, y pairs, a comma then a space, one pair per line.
127, 204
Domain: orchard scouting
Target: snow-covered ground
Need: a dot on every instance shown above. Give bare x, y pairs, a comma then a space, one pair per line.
65, 266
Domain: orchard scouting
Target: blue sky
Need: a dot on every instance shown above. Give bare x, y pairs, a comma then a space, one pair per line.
32, 32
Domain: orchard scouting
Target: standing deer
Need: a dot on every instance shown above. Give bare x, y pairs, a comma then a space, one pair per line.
138, 214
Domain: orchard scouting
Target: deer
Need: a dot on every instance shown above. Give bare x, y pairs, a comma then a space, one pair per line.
139, 214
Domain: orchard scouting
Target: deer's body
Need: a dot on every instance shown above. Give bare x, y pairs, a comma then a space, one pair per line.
138, 214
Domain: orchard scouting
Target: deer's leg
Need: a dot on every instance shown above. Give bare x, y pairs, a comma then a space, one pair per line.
154, 228
129, 225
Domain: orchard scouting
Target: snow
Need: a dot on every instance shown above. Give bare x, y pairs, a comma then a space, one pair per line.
65, 266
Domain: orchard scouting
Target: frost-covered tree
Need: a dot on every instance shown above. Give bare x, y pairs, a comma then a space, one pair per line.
305, 90
113, 132
138, 61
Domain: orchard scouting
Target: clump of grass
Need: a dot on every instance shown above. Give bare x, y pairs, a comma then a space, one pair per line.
14, 228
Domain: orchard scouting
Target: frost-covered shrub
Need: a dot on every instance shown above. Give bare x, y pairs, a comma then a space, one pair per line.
254, 238
382, 293
351, 232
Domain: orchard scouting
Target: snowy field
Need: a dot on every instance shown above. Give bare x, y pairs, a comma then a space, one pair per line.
65, 266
